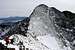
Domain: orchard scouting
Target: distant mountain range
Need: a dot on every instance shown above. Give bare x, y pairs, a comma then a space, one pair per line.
11, 19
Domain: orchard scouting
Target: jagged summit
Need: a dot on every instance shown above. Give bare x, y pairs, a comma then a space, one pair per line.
54, 9
42, 5
42, 9
45, 6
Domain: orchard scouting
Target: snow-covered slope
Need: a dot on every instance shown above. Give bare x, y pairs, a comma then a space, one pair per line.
52, 42
29, 42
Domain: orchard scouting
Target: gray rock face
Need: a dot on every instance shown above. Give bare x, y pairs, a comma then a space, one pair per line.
48, 20
40, 22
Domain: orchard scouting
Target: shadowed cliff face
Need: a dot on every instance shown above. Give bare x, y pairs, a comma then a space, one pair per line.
66, 26
48, 20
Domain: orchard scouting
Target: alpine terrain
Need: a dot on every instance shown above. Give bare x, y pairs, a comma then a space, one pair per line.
45, 29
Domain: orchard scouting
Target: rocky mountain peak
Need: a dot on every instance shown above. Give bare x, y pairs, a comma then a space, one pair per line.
40, 20
40, 9
49, 20
42, 5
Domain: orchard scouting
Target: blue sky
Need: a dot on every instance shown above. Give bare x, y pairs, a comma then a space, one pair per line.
25, 7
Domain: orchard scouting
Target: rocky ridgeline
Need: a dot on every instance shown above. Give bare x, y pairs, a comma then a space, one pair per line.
20, 27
